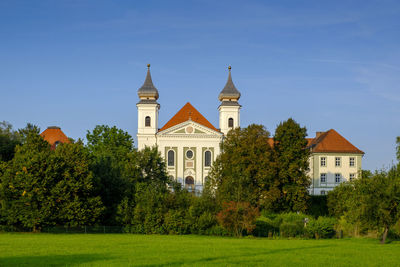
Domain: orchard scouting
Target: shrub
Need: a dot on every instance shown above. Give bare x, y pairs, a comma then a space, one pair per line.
238, 217
175, 223
317, 206
265, 227
323, 227
290, 224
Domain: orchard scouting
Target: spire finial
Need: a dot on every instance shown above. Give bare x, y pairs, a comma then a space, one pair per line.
148, 66
229, 68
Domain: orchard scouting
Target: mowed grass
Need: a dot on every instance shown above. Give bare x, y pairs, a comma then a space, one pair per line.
154, 250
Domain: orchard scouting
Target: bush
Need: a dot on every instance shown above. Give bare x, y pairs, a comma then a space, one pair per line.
217, 230
317, 206
238, 217
265, 227
290, 224
323, 227
175, 223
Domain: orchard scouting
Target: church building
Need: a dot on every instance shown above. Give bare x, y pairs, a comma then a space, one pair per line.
189, 143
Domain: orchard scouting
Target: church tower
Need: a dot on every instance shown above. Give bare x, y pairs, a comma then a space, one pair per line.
229, 110
147, 113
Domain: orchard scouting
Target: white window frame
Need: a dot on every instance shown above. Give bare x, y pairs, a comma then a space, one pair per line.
338, 161
320, 178
338, 175
352, 176
352, 161
323, 192
322, 160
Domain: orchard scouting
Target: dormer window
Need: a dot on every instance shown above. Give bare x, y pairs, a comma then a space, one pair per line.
147, 121
230, 123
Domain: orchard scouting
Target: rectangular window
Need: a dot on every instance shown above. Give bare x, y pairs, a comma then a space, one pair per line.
323, 193
352, 162
352, 176
323, 161
337, 161
323, 178
338, 177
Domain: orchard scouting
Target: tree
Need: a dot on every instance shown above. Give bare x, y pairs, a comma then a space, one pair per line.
291, 159
238, 217
111, 151
41, 187
243, 172
372, 202
9, 139
145, 199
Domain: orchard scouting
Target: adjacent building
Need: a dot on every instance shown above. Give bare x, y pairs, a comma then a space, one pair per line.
333, 160
54, 136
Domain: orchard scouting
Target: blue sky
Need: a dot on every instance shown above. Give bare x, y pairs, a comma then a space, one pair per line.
327, 64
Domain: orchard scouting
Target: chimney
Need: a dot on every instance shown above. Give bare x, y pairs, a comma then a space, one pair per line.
318, 134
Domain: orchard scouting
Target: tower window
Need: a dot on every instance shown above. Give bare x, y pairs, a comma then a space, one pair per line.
147, 121
207, 158
171, 158
230, 123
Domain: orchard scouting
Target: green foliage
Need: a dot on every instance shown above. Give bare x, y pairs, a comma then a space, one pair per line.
265, 227
317, 206
41, 187
323, 227
291, 224
372, 202
291, 159
243, 171
9, 139
112, 154
238, 217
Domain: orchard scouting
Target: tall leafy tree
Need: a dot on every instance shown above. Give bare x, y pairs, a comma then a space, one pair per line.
111, 151
41, 187
291, 159
243, 172
9, 139
145, 202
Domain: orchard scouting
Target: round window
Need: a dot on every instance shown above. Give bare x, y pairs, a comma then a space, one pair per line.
189, 154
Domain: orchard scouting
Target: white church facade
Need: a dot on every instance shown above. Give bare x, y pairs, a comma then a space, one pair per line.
189, 143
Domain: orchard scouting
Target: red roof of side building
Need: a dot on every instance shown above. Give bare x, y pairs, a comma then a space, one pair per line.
332, 142
54, 134
188, 112
328, 142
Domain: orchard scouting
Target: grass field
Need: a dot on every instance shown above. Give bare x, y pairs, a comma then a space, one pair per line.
154, 250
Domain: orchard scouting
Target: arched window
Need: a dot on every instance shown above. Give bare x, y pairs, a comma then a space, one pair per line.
230, 123
189, 183
171, 158
147, 121
207, 158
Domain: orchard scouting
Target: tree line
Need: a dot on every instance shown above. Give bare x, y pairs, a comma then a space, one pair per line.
257, 185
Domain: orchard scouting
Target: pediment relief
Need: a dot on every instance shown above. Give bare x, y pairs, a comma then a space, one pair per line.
189, 128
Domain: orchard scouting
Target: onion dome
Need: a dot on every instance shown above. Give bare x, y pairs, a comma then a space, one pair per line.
229, 93
148, 90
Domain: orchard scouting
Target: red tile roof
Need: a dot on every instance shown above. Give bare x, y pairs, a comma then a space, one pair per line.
332, 142
54, 134
328, 142
184, 114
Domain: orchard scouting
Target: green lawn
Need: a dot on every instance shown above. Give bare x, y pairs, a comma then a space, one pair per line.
126, 249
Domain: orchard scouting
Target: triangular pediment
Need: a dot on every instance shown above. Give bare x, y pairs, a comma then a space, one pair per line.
189, 129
